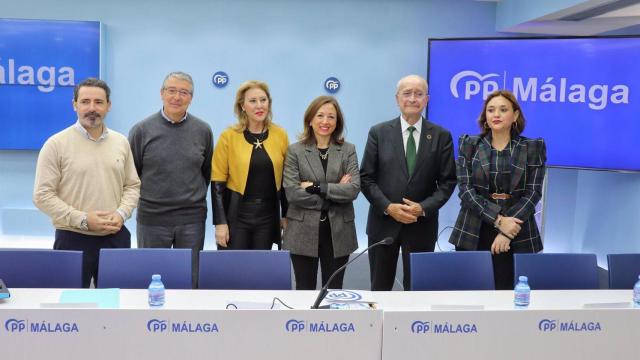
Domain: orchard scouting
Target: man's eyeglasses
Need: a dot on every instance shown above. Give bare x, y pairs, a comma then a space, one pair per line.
416, 94
172, 91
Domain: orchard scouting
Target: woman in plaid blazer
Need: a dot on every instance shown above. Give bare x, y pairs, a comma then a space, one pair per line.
500, 176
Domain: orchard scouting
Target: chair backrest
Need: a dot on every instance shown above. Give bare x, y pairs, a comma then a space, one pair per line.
132, 268
41, 268
558, 271
623, 270
245, 269
459, 270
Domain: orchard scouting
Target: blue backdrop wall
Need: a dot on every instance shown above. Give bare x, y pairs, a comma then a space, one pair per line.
295, 46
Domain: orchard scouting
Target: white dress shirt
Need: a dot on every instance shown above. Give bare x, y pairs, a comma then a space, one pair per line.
405, 132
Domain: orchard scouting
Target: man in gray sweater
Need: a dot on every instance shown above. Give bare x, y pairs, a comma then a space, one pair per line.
172, 152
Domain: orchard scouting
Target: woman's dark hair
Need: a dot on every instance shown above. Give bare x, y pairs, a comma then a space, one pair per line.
307, 135
518, 126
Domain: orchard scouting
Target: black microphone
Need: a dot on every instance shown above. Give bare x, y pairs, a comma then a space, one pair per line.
324, 290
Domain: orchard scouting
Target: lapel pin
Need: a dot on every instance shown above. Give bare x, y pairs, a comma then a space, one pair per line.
428, 136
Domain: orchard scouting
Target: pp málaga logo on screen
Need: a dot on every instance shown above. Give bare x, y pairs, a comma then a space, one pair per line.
45, 78
546, 89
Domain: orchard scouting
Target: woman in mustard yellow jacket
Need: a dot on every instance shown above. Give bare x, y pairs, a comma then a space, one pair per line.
247, 174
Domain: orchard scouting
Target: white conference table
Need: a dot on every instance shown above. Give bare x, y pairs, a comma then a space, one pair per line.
568, 324
410, 325
193, 324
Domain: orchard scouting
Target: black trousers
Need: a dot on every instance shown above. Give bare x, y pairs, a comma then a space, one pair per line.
90, 246
384, 259
305, 268
502, 263
253, 228
187, 236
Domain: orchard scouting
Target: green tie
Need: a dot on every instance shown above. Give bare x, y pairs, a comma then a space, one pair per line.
411, 150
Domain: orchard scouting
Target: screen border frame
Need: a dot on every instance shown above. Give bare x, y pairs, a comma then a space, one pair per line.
564, 37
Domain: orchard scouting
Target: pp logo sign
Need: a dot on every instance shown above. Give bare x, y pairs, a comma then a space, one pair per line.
332, 85
419, 327
15, 325
155, 325
294, 325
474, 83
343, 295
547, 325
220, 79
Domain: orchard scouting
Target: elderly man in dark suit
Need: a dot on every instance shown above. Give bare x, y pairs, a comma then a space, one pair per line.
407, 174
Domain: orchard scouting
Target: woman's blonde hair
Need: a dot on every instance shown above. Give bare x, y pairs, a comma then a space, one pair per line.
243, 119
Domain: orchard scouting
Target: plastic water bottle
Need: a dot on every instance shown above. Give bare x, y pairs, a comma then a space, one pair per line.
636, 293
522, 292
156, 291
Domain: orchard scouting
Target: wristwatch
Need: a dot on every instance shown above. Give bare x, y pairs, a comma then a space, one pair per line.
84, 224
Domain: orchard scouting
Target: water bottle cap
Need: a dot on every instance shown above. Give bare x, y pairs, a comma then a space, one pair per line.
156, 277
523, 278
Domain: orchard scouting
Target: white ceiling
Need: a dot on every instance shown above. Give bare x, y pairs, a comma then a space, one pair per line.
586, 18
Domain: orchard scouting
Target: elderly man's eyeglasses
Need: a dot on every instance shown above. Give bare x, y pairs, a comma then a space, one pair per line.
172, 91
416, 94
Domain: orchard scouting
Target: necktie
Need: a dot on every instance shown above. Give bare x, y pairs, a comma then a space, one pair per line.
411, 150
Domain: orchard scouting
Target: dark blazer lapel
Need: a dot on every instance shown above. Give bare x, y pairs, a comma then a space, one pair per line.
518, 162
313, 158
484, 156
334, 162
425, 143
398, 144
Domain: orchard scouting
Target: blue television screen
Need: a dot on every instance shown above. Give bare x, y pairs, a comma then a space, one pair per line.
580, 94
40, 63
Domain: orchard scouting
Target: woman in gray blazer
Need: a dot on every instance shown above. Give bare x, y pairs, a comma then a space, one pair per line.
321, 180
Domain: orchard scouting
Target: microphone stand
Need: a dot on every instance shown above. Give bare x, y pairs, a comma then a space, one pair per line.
325, 288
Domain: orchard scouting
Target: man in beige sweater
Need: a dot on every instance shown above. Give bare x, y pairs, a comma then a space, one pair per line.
86, 181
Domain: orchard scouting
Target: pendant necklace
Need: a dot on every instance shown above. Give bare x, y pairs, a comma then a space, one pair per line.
324, 155
259, 140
